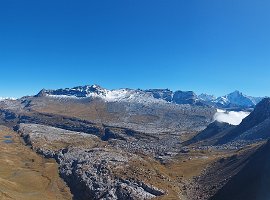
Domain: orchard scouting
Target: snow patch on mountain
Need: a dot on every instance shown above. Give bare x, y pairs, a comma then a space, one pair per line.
207, 97
231, 117
127, 96
222, 100
7, 98
62, 96
120, 95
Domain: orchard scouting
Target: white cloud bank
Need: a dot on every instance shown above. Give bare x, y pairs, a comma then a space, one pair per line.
231, 117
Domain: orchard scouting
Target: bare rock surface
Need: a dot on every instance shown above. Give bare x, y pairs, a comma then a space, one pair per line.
87, 164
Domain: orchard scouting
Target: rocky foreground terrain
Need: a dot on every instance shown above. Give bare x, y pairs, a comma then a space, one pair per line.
87, 164
135, 144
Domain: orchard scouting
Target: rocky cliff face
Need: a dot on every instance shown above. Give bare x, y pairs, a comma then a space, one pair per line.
80, 91
164, 94
180, 97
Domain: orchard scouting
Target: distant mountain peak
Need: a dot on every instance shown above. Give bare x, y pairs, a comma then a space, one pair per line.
237, 98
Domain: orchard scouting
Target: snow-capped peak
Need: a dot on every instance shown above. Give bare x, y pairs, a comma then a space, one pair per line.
238, 98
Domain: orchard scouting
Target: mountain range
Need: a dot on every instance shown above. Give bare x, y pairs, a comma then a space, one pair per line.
234, 100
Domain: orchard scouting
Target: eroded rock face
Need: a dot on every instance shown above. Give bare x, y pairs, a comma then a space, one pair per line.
88, 164
181, 97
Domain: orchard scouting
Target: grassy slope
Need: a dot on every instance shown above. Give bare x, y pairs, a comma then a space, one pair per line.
26, 176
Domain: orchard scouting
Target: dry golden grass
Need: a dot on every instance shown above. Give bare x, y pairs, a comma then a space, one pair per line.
26, 176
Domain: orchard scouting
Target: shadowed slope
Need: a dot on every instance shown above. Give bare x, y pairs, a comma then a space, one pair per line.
252, 182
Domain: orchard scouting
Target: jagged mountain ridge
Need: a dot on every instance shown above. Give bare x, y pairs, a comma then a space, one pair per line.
234, 99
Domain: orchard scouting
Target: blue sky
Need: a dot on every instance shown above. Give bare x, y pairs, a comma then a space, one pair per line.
212, 46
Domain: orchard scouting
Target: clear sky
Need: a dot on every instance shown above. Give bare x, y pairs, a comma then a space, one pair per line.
212, 46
